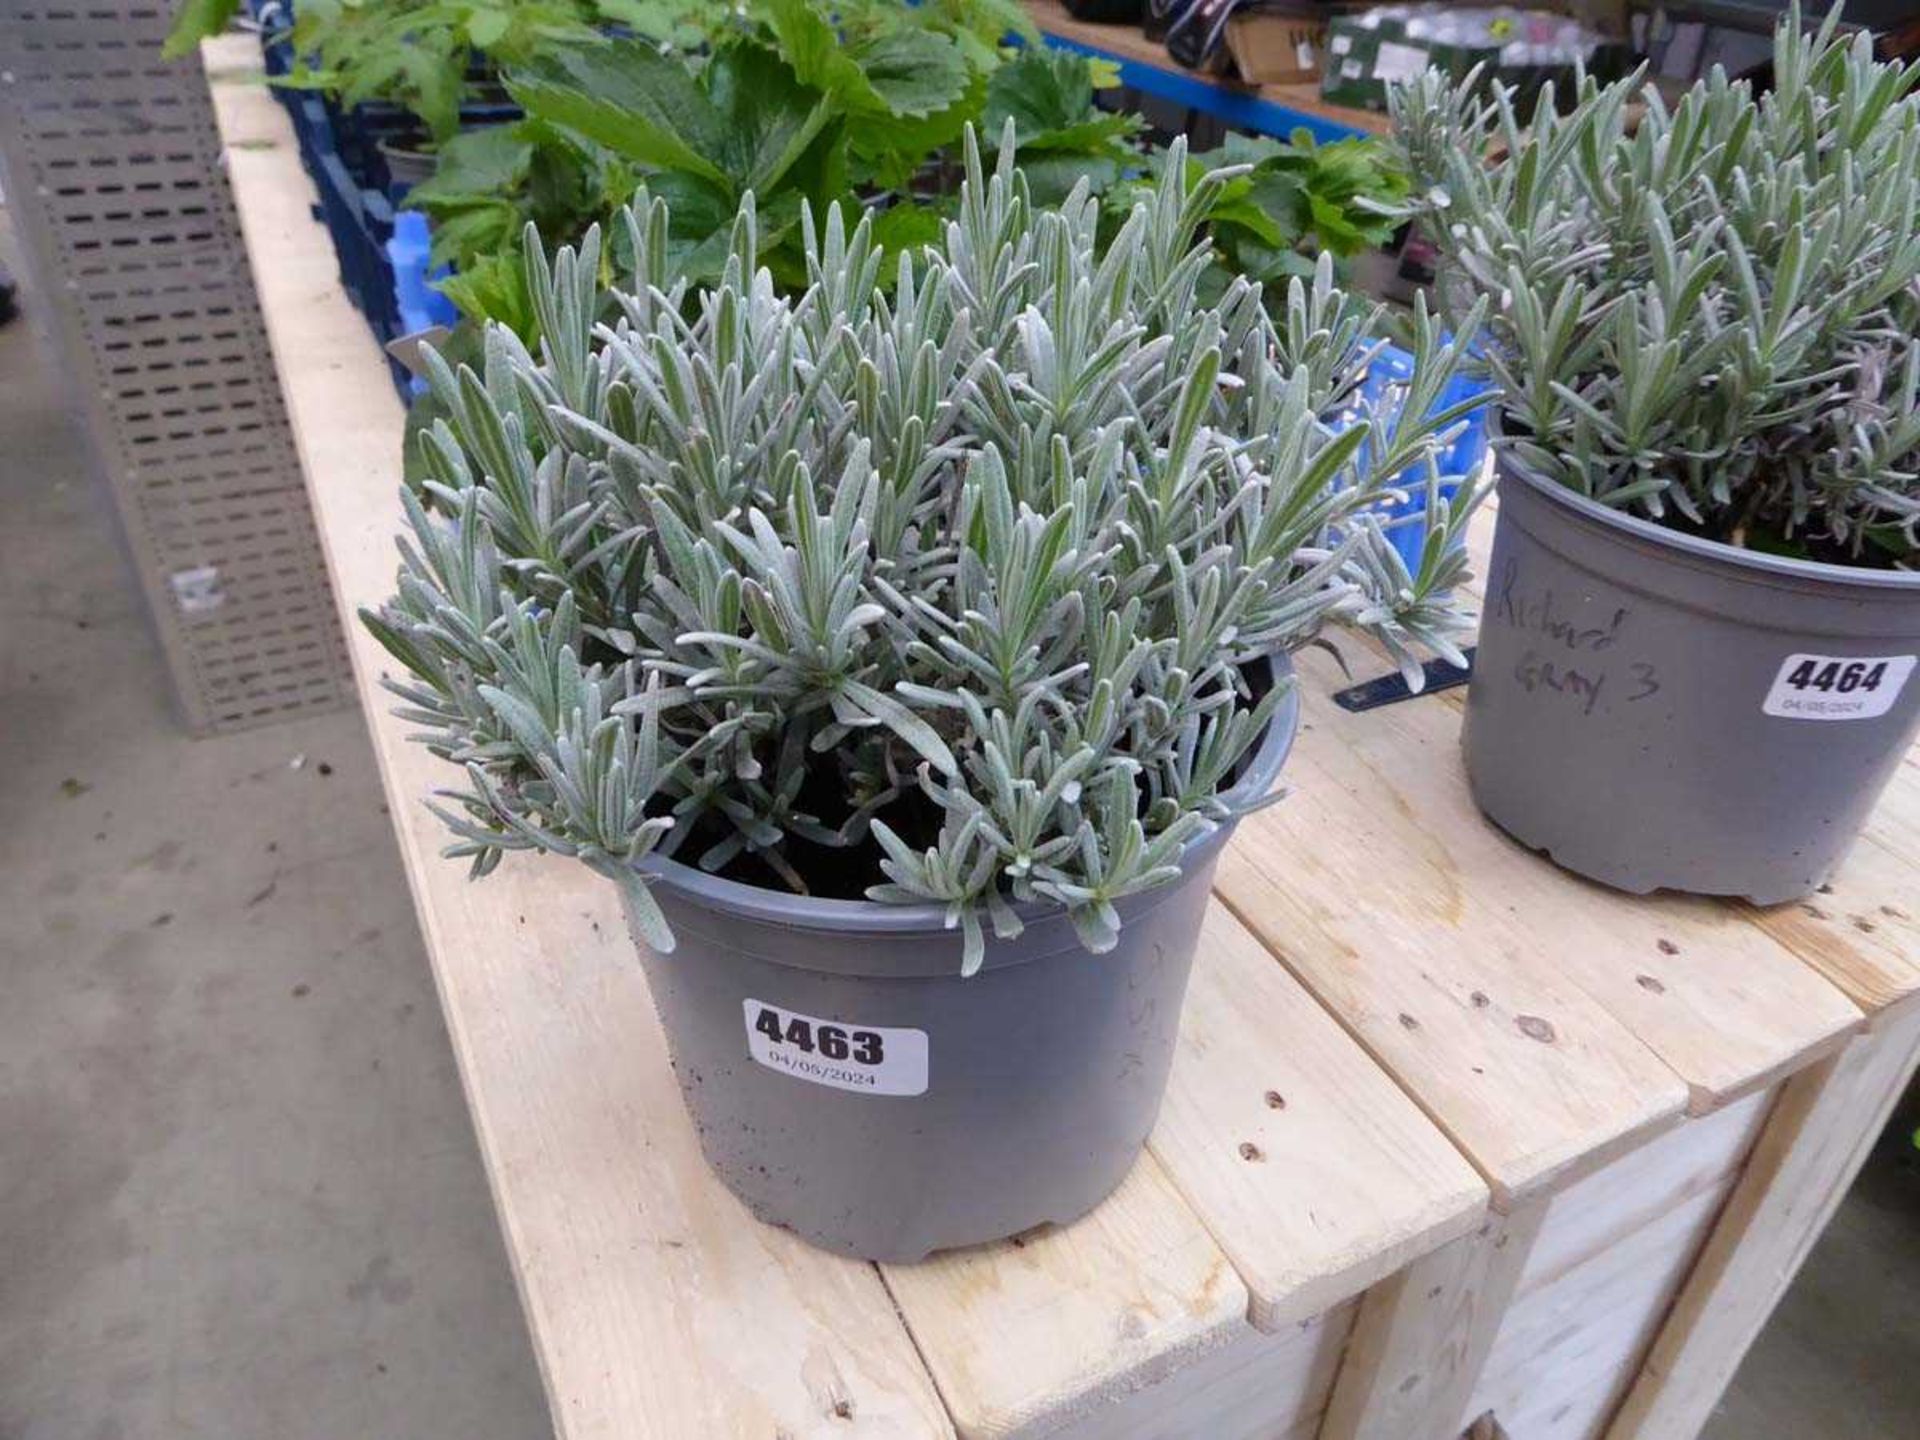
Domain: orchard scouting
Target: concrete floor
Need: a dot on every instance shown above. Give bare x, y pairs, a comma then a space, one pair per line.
239, 1194
240, 1198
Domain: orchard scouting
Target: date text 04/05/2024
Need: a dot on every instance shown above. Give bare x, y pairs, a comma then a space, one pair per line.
870, 1059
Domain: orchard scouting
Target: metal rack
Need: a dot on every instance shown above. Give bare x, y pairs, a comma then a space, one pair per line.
135, 260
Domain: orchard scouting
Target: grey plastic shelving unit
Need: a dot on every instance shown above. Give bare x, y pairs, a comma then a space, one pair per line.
136, 265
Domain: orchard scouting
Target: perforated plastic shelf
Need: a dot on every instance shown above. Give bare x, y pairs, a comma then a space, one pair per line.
115, 185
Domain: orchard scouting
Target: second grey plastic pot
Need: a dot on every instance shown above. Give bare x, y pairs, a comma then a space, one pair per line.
406, 166
847, 1083
1658, 711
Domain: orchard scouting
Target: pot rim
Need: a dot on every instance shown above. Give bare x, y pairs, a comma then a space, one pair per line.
871, 917
1755, 564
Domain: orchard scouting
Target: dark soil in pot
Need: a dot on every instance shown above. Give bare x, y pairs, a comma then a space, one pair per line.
1656, 710
848, 1083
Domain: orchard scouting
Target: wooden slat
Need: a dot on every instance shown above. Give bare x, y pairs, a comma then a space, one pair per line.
657, 1306
1596, 1215
1255, 1387
1023, 1337
1558, 1414
1862, 931
1422, 1337
1728, 1008
1896, 822
1818, 1137
1472, 1329
1311, 1168
1596, 1319
1430, 966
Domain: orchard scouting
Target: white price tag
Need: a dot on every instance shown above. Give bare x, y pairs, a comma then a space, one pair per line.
1837, 687
870, 1059
1399, 62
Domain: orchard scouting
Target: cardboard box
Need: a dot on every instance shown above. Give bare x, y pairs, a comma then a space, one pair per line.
1278, 46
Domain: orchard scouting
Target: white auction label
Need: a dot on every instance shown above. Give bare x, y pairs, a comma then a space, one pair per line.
871, 1059
1837, 687
1399, 62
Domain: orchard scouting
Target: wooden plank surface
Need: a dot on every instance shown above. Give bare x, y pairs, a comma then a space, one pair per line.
657, 1306
1129, 42
1544, 1021
1448, 984
1254, 1387
1727, 1006
1313, 1170
1023, 1337
1862, 931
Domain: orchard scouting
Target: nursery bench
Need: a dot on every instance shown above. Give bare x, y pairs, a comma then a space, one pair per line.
1276, 110
1448, 1131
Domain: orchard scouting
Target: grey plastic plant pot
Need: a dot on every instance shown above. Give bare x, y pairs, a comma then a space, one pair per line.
406, 166
847, 1083
1657, 711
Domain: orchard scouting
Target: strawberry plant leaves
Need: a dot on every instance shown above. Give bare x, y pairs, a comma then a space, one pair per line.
901, 72
770, 118
914, 72
625, 95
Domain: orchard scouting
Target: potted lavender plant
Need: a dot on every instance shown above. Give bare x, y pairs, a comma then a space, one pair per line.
1703, 608
905, 651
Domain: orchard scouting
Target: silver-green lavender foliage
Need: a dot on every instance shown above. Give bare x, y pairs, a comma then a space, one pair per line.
1706, 312
991, 542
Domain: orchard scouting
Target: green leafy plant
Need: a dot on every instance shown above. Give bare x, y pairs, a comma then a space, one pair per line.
951, 584
1707, 311
418, 53
604, 115
1290, 202
1063, 136
493, 181
1300, 199
745, 122
976, 27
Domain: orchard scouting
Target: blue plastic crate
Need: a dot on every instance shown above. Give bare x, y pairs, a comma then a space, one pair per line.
420, 305
1387, 373
312, 130
361, 223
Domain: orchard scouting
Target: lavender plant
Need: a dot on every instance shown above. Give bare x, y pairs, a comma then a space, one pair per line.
954, 584
1707, 312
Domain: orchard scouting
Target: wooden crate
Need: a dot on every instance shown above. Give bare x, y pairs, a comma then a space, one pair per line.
1449, 1133
1667, 1094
